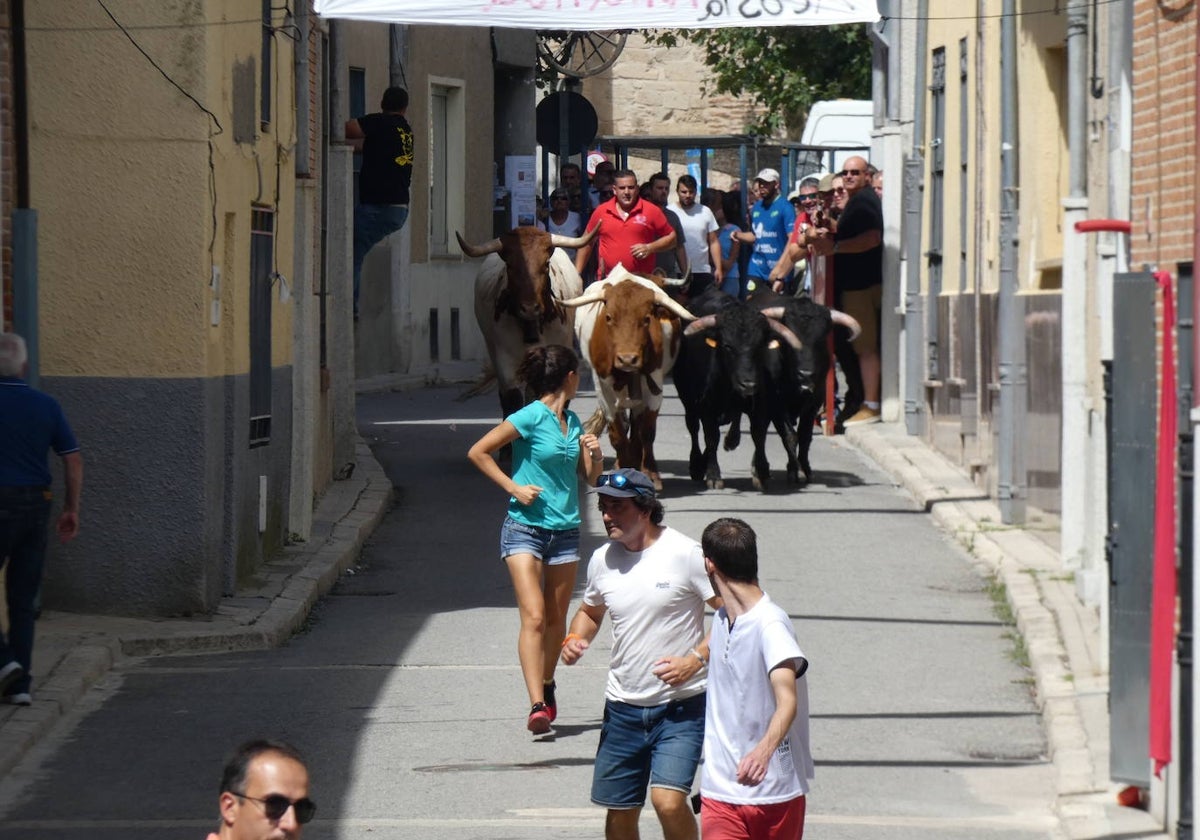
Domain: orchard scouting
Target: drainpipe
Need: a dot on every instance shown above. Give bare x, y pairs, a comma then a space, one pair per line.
914, 206
1076, 468
24, 218
1010, 455
1189, 585
397, 54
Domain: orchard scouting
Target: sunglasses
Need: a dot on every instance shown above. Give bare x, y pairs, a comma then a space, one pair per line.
276, 805
846, 172
839, 189
809, 197
620, 481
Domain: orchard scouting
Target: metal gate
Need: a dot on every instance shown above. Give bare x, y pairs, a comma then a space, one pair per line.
1132, 399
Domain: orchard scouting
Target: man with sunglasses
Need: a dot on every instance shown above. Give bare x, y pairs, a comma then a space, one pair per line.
264, 793
650, 578
857, 247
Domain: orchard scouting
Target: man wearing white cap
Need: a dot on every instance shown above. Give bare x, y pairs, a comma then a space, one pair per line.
771, 220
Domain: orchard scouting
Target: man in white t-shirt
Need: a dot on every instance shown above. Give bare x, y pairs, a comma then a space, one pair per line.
700, 238
651, 580
757, 762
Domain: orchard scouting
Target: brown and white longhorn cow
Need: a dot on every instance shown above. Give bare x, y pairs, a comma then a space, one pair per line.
518, 299
629, 332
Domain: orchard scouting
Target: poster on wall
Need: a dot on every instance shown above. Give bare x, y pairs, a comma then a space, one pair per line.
520, 177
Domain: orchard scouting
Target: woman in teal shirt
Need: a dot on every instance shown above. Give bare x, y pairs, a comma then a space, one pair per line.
540, 538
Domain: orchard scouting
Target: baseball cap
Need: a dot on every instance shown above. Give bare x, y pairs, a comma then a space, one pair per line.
767, 175
794, 194
624, 483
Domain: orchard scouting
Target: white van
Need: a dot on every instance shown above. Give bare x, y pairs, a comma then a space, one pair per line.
840, 124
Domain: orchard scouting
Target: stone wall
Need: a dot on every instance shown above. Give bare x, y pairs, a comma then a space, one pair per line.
656, 92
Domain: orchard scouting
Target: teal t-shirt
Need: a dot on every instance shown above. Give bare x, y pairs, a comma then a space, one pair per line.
544, 456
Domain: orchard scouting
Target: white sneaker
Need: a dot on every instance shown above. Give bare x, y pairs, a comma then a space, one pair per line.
9, 674
22, 698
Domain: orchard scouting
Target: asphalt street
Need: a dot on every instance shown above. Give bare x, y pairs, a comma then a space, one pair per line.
403, 689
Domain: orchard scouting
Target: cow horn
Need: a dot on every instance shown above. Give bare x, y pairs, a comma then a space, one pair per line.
846, 321
785, 333
492, 247
775, 313
660, 297
700, 324
596, 295
663, 299
559, 241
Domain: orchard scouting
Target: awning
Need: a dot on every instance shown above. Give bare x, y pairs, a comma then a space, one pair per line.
605, 14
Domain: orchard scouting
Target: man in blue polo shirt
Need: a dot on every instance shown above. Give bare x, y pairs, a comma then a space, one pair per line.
771, 220
31, 424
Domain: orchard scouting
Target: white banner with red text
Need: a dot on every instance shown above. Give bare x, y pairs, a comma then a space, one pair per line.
605, 14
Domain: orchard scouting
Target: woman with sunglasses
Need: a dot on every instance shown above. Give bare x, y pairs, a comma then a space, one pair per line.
539, 541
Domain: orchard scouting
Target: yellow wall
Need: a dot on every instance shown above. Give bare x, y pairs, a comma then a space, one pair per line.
1042, 152
120, 178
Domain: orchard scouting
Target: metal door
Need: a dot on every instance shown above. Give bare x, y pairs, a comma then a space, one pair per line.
1132, 398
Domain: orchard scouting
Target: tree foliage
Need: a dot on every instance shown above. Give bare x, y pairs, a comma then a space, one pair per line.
783, 69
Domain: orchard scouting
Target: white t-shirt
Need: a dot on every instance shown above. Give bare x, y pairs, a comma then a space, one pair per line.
572, 227
697, 222
655, 600
740, 703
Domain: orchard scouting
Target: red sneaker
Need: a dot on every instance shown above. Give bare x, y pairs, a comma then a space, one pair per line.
539, 719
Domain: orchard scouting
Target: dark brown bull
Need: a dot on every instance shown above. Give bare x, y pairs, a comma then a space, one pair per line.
517, 295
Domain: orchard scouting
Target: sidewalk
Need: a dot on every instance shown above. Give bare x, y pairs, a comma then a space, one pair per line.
1062, 635
73, 651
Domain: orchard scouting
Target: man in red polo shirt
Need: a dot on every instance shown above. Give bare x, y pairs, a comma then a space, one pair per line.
633, 231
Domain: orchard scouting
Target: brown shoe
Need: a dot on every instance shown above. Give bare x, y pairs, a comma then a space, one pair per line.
864, 415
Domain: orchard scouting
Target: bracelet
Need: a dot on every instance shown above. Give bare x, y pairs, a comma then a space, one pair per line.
571, 636
696, 653
596, 454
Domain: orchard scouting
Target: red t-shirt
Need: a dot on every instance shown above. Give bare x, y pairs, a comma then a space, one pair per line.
801, 221
644, 224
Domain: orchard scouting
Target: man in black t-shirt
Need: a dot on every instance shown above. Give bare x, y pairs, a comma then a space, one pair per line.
857, 247
386, 142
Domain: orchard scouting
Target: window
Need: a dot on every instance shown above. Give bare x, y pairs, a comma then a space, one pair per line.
447, 164
262, 247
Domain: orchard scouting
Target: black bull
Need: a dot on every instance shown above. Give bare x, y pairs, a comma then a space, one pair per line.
766, 358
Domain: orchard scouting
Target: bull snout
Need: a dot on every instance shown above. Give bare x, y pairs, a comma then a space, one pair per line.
805, 380
746, 385
631, 362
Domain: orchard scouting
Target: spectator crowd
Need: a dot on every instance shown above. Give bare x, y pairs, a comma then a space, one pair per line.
824, 240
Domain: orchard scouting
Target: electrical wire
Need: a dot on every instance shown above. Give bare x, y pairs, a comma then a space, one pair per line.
1057, 10
212, 169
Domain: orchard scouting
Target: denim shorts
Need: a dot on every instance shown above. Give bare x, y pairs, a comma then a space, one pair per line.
551, 547
640, 745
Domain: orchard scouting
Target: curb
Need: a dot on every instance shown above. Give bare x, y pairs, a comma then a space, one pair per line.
963, 511
264, 618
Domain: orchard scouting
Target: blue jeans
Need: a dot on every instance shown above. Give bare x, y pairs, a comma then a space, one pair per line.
24, 516
372, 222
551, 547
640, 745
